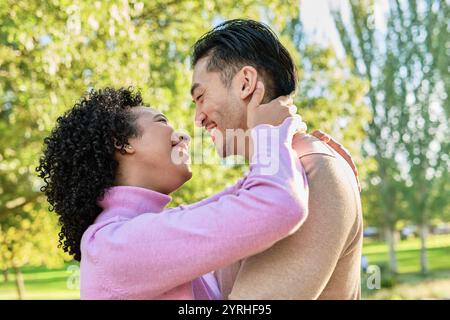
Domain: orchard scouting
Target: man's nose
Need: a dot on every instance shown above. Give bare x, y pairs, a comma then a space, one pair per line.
199, 117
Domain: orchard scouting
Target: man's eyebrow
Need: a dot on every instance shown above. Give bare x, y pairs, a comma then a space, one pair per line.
194, 86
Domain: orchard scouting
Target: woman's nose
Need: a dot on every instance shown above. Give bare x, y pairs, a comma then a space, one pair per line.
181, 136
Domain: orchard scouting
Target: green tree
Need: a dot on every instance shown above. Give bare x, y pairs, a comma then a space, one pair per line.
52, 52
405, 62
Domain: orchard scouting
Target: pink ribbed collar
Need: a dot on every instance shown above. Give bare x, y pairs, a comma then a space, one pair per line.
129, 202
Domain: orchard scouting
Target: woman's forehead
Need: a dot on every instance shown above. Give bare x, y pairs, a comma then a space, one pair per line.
145, 111
146, 114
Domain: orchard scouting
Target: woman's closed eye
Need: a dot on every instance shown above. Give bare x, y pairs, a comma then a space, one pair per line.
161, 118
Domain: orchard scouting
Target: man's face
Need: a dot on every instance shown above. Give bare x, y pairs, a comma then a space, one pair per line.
218, 107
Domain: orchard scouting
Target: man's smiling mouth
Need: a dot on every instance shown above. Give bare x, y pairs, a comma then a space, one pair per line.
212, 128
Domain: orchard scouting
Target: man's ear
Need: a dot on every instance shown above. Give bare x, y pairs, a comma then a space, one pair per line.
249, 77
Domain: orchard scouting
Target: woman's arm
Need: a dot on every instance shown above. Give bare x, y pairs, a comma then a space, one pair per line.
153, 253
229, 190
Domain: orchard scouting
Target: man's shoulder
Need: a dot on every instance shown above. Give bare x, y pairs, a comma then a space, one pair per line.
324, 167
316, 156
306, 145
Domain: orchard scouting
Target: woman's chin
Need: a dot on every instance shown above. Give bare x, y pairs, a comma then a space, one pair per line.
185, 172
183, 176
188, 172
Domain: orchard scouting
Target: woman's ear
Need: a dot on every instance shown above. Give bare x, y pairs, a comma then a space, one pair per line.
123, 149
249, 77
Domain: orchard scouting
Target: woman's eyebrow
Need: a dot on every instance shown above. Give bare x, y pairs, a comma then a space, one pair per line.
160, 115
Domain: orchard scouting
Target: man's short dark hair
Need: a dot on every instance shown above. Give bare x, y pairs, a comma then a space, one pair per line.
237, 43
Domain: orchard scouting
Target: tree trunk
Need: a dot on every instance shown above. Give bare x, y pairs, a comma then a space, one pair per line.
390, 239
423, 248
19, 283
5, 275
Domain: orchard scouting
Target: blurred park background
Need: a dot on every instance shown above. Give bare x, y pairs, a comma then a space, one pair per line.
374, 74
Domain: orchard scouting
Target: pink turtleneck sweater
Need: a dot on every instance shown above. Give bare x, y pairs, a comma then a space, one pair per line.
136, 249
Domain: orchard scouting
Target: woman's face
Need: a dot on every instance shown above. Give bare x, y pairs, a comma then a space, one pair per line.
158, 158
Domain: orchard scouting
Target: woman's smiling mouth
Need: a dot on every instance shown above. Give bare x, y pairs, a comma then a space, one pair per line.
181, 146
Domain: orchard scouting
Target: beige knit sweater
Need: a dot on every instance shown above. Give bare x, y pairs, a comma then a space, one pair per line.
322, 259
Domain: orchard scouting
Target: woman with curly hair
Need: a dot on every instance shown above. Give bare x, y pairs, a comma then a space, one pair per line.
108, 169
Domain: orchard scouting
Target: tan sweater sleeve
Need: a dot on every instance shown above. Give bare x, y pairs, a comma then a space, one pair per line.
321, 259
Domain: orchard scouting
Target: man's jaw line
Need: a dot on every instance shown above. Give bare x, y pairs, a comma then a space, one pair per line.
211, 127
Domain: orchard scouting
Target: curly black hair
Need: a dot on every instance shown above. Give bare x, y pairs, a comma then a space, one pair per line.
78, 162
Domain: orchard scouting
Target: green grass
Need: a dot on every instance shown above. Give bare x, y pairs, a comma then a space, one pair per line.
410, 283
408, 254
43, 283
436, 285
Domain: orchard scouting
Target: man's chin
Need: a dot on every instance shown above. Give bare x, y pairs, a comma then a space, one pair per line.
225, 150
222, 151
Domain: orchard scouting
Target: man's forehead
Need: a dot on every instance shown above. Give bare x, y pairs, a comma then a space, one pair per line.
201, 65
201, 76
200, 69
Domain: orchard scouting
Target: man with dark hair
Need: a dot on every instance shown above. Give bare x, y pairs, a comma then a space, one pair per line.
322, 259
237, 43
